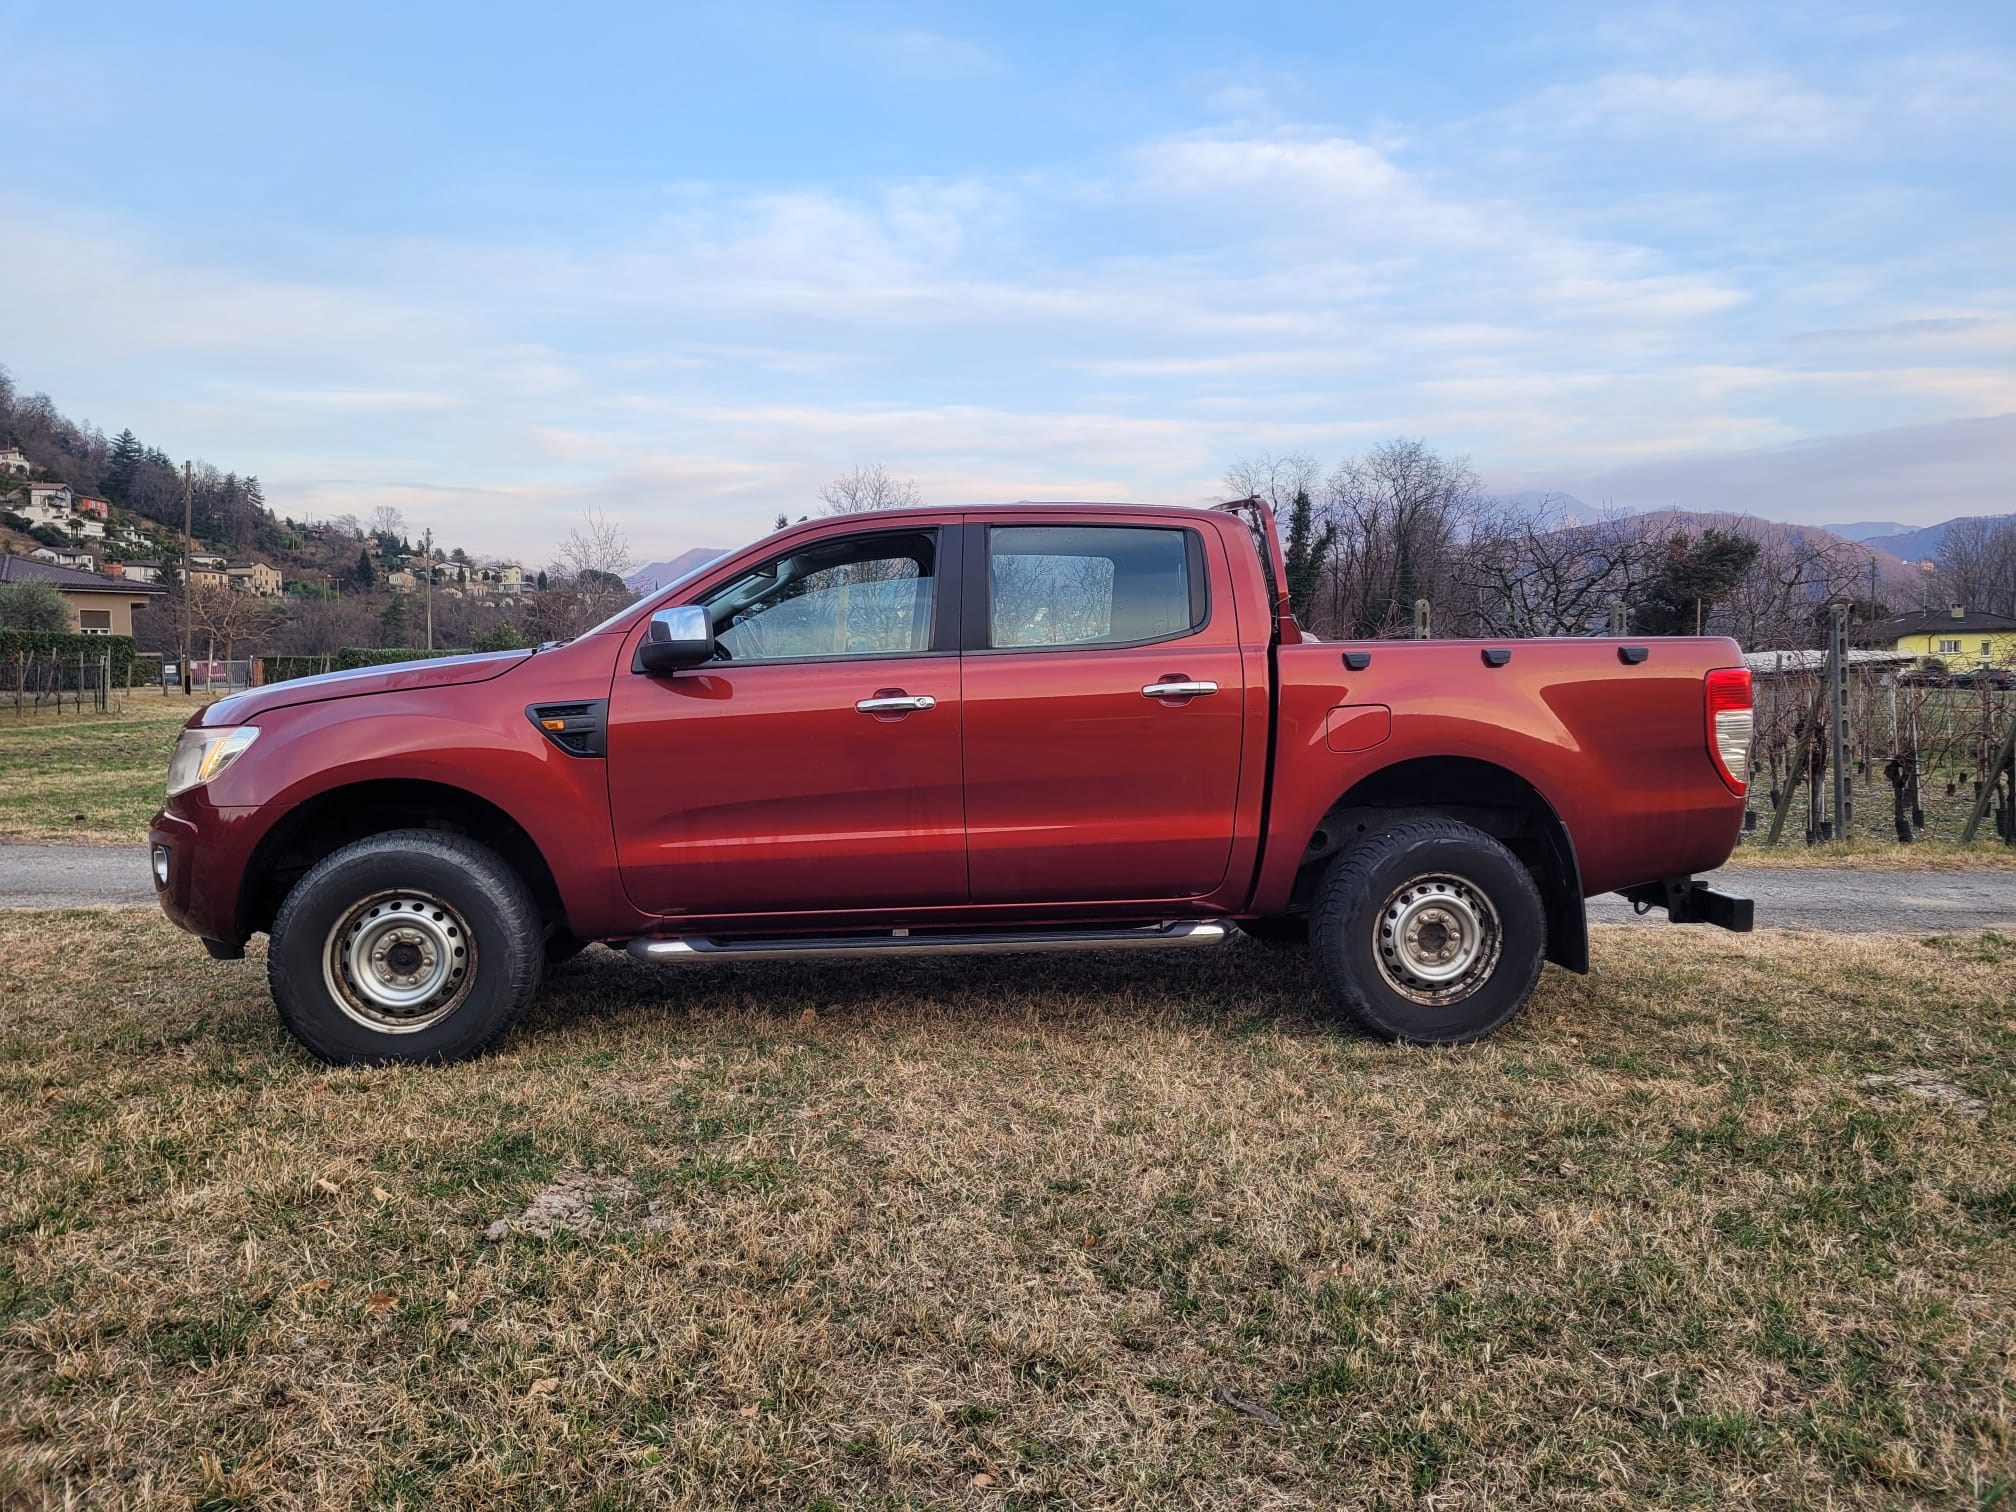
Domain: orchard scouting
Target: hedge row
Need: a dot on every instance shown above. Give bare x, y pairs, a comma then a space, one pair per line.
349, 659
37, 650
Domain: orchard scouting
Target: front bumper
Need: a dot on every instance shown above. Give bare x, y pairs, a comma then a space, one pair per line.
207, 851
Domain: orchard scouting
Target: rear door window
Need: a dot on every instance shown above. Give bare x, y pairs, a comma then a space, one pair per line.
1064, 586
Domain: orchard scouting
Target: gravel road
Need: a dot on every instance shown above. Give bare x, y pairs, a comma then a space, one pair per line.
1838, 901
1872, 902
73, 876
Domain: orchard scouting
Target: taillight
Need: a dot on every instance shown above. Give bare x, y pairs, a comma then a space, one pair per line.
1730, 725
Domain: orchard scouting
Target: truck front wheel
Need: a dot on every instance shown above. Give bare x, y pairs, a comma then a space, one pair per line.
414, 945
1429, 932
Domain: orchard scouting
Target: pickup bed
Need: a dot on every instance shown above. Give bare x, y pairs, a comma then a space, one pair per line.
1029, 727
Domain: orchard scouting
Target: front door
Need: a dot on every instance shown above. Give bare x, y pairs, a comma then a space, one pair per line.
815, 764
1104, 703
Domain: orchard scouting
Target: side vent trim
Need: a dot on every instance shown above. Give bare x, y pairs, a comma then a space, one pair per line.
579, 729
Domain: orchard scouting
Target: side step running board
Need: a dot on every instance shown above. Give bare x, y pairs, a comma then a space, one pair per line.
1133, 937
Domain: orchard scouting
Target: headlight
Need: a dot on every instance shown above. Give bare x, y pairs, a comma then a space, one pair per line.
202, 754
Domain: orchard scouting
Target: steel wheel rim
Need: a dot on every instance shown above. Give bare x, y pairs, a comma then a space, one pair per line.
1437, 938
399, 961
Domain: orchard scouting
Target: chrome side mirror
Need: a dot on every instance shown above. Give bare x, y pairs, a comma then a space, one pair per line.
676, 638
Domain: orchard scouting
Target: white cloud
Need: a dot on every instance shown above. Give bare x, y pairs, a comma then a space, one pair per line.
1757, 107
1120, 330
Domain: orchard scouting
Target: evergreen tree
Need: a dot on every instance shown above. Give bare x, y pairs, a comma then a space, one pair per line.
504, 636
1305, 552
540, 582
1692, 577
122, 468
782, 520
392, 623
364, 574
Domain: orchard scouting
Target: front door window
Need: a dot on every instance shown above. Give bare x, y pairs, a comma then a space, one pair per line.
870, 595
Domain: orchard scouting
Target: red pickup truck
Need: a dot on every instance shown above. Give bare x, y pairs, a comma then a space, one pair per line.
1031, 727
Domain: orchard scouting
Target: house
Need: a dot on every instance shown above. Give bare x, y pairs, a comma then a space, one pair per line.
54, 497
65, 558
1961, 638
13, 462
98, 605
255, 578
147, 570
84, 504
399, 580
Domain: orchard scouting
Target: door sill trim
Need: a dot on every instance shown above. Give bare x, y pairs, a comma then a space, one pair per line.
695, 948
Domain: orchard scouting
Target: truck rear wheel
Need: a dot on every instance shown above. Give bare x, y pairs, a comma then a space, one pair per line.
409, 946
1429, 932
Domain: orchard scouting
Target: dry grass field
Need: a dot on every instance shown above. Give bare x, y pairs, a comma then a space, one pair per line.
88, 779
1986, 854
1126, 1230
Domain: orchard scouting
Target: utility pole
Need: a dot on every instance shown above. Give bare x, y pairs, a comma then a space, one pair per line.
188, 550
1837, 717
427, 551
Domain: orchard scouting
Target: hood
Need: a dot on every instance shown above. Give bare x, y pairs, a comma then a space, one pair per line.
395, 677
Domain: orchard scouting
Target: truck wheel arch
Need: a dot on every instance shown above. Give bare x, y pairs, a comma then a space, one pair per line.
321, 824
1496, 800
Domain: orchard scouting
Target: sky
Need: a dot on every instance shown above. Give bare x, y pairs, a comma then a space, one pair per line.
498, 265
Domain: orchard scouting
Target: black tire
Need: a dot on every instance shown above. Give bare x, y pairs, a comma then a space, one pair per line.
462, 917
1281, 932
1464, 897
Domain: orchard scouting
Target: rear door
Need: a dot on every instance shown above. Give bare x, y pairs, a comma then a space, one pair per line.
815, 765
1104, 712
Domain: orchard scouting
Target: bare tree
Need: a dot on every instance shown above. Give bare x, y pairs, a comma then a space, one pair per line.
1530, 572
585, 579
387, 521
1977, 564
868, 487
1277, 479
323, 626
228, 617
1776, 605
1400, 511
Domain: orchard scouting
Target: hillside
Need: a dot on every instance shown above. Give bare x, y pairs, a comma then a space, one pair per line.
144, 486
655, 575
1865, 530
348, 582
1922, 545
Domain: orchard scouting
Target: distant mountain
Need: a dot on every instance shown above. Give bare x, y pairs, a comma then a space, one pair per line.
1863, 530
1921, 545
655, 575
1551, 502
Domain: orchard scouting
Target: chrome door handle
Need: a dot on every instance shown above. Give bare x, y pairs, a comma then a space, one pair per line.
903, 705
1178, 690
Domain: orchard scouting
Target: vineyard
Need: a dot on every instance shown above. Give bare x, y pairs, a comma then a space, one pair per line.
1922, 760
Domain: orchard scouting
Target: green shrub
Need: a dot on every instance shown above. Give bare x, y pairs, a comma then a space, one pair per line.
38, 651
33, 604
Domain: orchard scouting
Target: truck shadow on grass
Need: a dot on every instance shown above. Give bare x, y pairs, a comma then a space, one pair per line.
1232, 987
